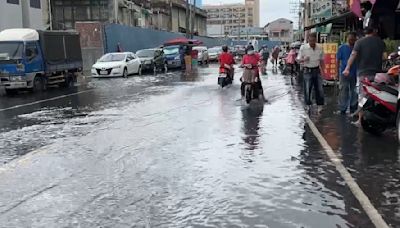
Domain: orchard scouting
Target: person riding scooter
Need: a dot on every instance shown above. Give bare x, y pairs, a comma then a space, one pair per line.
250, 63
226, 61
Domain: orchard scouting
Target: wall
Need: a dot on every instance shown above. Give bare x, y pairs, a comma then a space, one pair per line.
17, 16
91, 36
10, 15
135, 38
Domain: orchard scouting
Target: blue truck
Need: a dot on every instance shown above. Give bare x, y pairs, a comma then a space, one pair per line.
33, 60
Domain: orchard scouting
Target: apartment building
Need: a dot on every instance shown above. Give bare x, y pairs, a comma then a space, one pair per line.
224, 18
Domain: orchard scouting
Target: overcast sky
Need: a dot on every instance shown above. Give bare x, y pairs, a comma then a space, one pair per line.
269, 9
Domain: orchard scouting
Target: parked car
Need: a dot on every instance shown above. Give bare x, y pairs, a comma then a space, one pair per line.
213, 53
174, 56
202, 54
119, 64
152, 59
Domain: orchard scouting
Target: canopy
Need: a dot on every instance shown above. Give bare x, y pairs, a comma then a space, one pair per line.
184, 41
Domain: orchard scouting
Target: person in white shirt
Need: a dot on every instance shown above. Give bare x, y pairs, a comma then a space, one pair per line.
311, 56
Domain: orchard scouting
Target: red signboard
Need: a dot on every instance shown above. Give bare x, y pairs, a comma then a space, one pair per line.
330, 71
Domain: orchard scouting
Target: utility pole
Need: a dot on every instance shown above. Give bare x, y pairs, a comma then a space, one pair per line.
170, 16
187, 18
116, 11
193, 18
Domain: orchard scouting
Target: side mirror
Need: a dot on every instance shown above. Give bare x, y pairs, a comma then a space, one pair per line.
127, 60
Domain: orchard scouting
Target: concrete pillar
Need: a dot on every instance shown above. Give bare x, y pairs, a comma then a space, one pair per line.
26, 22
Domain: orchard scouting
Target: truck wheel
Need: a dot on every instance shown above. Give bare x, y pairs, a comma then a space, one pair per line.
69, 82
11, 92
38, 85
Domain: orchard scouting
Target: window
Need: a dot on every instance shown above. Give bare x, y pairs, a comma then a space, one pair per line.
31, 51
13, 2
35, 4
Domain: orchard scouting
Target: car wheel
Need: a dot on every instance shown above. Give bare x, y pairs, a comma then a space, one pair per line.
140, 70
165, 68
155, 69
125, 74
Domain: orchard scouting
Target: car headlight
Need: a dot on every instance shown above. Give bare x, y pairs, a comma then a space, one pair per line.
177, 57
117, 67
148, 62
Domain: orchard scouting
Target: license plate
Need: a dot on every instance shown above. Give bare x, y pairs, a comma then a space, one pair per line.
222, 75
363, 101
103, 72
170, 62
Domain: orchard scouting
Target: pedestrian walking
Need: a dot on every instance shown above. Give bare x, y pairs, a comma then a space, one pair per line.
275, 56
347, 84
311, 56
369, 52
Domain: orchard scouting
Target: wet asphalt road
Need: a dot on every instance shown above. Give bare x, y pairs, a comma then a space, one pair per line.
176, 151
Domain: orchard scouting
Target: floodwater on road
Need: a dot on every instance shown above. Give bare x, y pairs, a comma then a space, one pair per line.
177, 151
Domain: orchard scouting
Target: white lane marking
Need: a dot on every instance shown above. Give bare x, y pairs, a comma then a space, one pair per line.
366, 204
45, 100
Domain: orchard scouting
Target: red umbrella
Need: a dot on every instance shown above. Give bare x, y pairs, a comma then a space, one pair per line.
182, 40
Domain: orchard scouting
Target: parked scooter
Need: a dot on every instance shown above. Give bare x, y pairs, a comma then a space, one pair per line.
249, 81
380, 103
226, 74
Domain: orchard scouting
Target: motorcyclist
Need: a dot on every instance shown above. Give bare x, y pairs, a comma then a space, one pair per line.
253, 59
264, 52
226, 61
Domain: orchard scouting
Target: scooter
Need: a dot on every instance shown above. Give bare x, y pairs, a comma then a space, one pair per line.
249, 81
224, 78
379, 106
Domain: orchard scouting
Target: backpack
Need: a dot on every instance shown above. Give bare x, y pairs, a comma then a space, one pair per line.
265, 55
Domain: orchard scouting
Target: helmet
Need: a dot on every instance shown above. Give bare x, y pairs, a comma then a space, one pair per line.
394, 71
383, 78
265, 46
225, 48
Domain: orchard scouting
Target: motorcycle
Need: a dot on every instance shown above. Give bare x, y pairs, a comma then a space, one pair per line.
379, 106
249, 82
225, 76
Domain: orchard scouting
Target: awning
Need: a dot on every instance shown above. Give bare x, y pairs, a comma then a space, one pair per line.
329, 21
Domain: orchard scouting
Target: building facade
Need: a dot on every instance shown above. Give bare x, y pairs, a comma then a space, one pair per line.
167, 15
280, 30
22, 14
222, 19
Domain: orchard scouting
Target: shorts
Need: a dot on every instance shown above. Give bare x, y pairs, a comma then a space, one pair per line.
361, 92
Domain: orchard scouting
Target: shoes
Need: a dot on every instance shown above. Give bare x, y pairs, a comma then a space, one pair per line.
343, 113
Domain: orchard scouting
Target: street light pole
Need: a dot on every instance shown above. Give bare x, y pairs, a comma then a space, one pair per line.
116, 11
193, 17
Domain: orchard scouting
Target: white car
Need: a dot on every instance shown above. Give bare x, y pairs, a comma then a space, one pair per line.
119, 64
202, 55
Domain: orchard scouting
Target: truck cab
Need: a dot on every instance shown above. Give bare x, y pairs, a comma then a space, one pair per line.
32, 60
20, 59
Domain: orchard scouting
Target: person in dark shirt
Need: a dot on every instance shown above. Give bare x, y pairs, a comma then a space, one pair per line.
369, 52
347, 84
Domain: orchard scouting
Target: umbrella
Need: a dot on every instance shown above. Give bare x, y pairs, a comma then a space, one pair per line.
183, 41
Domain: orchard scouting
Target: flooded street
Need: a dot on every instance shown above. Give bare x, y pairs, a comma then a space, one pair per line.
177, 151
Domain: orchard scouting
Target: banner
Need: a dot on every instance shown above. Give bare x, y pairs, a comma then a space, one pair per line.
330, 71
321, 9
